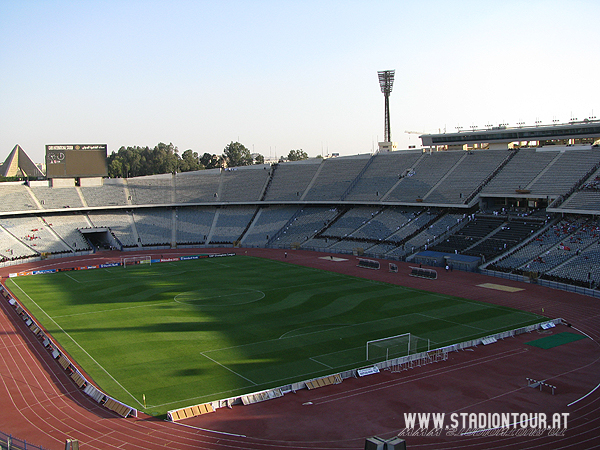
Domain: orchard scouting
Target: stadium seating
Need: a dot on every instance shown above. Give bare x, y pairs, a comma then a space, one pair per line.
120, 224
388, 204
66, 226
335, 177
15, 196
197, 187
51, 198
154, 226
194, 224
382, 174
427, 172
108, 195
152, 190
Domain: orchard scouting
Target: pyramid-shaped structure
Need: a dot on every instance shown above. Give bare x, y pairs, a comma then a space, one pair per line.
19, 164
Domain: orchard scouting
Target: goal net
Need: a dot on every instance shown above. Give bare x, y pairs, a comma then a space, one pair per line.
395, 347
132, 260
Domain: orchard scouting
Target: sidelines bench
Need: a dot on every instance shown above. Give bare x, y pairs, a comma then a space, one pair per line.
64, 362
262, 396
324, 381
78, 379
119, 408
190, 411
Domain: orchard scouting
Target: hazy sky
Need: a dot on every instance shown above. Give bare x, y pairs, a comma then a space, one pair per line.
282, 75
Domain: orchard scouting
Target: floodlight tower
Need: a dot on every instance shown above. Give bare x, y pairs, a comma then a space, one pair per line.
386, 81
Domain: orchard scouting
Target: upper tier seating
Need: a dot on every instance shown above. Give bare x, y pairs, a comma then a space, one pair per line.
466, 176
335, 177
108, 195
520, 172
243, 184
382, 174
427, 172
291, 179
16, 197
57, 198
197, 187
151, 190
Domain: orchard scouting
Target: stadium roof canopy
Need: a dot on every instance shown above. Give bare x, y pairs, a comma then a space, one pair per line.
18, 164
503, 134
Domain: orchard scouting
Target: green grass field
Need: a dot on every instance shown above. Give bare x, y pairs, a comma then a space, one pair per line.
193, 331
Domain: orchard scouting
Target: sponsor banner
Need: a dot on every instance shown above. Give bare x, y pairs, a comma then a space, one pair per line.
12, 275
113, 264
169, 259
368, 371
65, 269
92, 267
36, 272
216, 255
186, 258
155, 261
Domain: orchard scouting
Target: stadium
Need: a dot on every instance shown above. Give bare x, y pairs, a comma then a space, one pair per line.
493, 232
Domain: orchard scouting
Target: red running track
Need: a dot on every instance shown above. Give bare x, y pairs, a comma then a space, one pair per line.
39, 403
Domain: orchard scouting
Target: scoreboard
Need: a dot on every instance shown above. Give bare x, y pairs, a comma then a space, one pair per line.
76, 160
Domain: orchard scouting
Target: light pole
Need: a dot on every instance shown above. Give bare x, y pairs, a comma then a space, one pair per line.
386, 81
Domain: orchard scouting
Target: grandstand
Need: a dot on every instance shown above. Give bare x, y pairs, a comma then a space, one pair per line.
527, 214
487, 203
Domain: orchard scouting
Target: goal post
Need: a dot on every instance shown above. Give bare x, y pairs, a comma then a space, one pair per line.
398, 346
133, 260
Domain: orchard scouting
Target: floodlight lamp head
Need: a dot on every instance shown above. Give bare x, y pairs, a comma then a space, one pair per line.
386, 80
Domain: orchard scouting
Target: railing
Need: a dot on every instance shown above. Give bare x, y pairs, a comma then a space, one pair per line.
9, 442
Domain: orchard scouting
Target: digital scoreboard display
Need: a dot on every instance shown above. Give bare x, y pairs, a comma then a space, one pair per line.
76, 160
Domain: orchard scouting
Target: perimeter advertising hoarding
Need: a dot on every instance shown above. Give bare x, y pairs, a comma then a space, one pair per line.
76, 160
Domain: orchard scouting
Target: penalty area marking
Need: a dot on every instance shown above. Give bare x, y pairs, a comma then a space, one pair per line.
227, 368
500, 287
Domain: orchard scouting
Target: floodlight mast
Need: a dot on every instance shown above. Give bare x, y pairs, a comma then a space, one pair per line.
386, 81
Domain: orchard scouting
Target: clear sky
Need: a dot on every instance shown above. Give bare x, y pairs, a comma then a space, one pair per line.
278, 75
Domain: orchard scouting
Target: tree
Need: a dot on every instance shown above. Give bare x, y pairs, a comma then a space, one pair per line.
258, 158
235, 154
297, 155
190, 161
211, 161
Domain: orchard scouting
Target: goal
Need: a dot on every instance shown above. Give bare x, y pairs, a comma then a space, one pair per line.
132, 260
398, 346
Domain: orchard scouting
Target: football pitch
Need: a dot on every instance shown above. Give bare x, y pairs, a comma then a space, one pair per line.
188, 332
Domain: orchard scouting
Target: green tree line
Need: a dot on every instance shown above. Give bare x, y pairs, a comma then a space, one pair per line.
165, 158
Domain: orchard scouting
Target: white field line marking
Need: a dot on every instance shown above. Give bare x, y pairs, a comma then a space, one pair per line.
451, 321
319, 362
309, 333
77, 344
211, 395
227, 368
245, 292
113, 309
76, 281
331, 325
